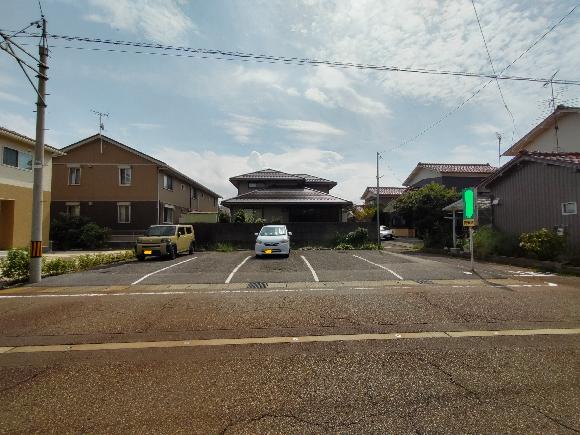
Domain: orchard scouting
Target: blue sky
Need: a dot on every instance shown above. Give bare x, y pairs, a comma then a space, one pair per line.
213, 119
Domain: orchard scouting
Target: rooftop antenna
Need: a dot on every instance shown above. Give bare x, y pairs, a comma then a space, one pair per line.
498, 135
101, 125
553, 101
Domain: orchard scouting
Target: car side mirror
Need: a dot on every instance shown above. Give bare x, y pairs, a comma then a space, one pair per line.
289, 233
256, 234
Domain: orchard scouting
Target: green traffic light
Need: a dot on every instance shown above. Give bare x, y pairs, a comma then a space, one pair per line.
468, 204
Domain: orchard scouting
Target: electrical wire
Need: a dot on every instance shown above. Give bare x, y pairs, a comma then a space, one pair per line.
493, 70
482, 87
167, 50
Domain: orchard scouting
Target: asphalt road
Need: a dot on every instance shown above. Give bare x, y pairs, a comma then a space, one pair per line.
275, 351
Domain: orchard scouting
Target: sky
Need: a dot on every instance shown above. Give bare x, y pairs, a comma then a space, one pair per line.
213, 119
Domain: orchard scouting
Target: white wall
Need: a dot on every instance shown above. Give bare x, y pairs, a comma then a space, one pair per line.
568, 136
23, 177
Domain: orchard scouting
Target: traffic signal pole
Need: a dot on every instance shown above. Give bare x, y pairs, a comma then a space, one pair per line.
38, 163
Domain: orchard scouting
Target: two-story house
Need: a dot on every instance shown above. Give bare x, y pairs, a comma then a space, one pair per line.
277, 196
16, 181
122, 188
457, 175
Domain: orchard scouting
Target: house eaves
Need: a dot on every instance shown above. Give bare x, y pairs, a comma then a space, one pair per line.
29, 141
546, 124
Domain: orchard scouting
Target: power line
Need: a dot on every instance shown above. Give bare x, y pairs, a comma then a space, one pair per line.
203, 53
482, 87
493, 70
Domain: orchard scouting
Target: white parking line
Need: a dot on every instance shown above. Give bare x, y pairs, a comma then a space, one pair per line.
236, 269
161, 270
310, 267
379, 265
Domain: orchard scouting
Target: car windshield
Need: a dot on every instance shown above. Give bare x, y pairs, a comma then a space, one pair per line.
167, 230
273, 231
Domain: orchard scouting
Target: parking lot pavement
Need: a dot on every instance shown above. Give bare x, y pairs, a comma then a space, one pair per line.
273, 269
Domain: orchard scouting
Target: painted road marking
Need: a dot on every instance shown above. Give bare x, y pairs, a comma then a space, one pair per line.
530, 273
229, 278
285, 340
214, 292
379, 265
310, 267
161, 270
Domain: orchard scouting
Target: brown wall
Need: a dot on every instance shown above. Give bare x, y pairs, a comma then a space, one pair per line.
182, 197
531, 196
100, 175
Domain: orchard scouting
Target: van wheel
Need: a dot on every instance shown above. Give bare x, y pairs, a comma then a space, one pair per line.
173, 252
140, 258
190, 248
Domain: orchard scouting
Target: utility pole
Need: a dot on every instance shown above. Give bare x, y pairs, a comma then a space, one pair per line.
38, 164
378, 205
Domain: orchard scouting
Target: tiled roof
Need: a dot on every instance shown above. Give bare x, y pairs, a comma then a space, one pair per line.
285, 196
461, 168
30, 140
272, 174
386, 190
313, 179
558, 159
452, 168
267, 174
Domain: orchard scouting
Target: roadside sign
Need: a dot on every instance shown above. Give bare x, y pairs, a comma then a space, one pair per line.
469, 197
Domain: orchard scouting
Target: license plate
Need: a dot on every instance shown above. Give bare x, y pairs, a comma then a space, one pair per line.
268, 251
147, 252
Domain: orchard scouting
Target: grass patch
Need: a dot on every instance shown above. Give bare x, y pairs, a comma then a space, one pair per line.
224, 247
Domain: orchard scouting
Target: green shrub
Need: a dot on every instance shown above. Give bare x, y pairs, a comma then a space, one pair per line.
240, 217
77, 232
223, 217
544, 244
224, 247
371, 246
344, 247
93, 236
58, 266
15, 265
357, 237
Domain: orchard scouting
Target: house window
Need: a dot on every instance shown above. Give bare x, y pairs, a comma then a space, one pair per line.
17, 159
256, 185
125, 176
73, 209
569, 208
74, 176
167, 182
167, 214
193, 193
183, 187
123, 212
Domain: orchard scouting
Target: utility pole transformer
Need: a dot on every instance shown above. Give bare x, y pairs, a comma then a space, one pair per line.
38, 163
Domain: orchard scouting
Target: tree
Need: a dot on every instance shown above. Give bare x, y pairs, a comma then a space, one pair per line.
365, 213
423, 208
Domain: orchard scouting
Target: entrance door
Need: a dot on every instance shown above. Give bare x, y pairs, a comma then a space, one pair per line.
6, 223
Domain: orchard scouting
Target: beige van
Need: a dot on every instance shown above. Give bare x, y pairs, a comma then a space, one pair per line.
165, 241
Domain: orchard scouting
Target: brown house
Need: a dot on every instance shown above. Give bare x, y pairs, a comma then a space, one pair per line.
121, 188
276, 196
457, 175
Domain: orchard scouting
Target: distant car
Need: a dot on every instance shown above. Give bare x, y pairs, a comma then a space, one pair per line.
165, 241
273, 240
386, 233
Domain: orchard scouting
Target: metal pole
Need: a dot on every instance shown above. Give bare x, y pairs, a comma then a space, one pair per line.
38, 164
471, 248
378, 206
454, 232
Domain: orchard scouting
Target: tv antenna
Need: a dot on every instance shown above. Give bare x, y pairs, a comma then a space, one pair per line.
553, 101
498, 135
101, 125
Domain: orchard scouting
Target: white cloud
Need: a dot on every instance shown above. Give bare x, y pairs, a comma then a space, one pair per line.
308, 127
158, 20
333, 88
243, 128
214, 170
18, 123
11, 98
485, 129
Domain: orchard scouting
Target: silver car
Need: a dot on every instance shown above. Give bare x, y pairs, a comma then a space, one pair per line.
273, 240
